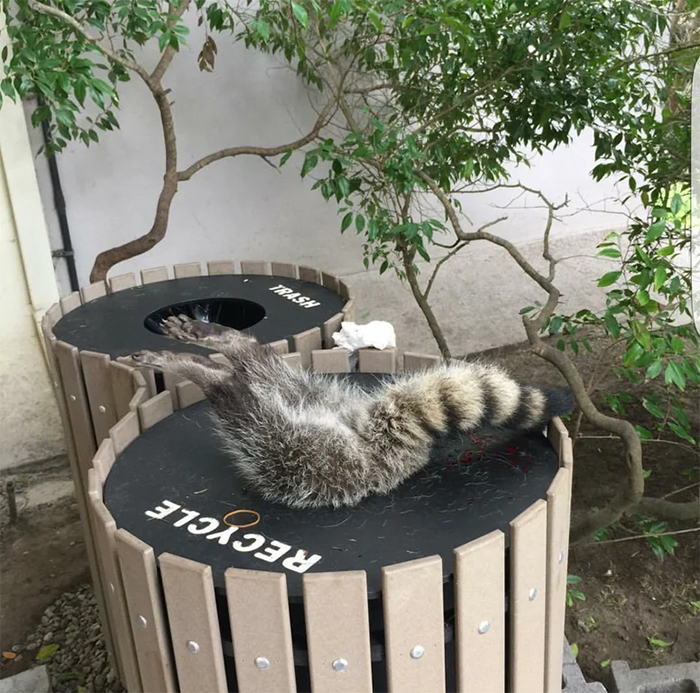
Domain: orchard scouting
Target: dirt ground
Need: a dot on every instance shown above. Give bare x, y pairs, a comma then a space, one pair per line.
631, 596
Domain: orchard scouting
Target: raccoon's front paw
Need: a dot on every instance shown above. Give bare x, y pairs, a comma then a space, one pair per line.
187, 329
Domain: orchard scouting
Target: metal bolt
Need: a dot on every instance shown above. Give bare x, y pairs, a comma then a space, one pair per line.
533, 594
262, 662
340, 664
417, 652
560, 557
142, 621
72, 398
484, 627
193, 647
102, 409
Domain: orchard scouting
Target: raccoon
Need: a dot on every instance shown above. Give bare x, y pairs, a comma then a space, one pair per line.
309, 440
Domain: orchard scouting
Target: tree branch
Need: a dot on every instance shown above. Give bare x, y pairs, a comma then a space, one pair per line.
169, 53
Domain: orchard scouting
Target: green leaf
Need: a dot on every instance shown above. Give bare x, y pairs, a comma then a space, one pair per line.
574, 649
643, 433
674, 375
301, 14
676, 203
654, 369
46, 652
564, 20
655, 230
605, 663
643, 297
659, 277
681, 432
310, 163
555, 324
359, 223
347, 220
609, 278
609, 252
612, 325
285, 157
657, 642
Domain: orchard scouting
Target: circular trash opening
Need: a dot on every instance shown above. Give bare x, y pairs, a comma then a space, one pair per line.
230, 312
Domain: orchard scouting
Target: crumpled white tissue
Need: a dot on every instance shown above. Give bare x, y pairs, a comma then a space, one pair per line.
378, 334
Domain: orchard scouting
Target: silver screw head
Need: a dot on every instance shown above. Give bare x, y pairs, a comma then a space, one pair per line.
484, 627
560, 557
142, 622
340, 664
533, 594
193, 647
111, 586
417, 652
102, 409
262, 662
72, 398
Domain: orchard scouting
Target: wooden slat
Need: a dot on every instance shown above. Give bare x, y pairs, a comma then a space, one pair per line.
349, 311
215, 267
556, 433
258, 610
98, 384
329, 281
104, 527
70, 302
293, 360
77, 404
281, 346
121, 282
329, 327
187, 269
330, 361
155, 409
122, 379
309, 274
528, 580
103, 460
377, 360
194, 626
124, 432
567, 454
93, 291
480, 614
252, 267
344, 290
305, 343
419, 362
284, 269
154, 274
558, 515
413, 619
337, 631
188, 393
146, 613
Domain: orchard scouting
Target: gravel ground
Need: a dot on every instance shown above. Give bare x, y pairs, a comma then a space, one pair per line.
80, 663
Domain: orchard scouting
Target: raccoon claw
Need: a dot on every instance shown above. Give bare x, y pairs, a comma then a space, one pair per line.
147, 358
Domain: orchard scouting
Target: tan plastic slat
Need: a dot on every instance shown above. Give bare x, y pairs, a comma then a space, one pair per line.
305, 343
121, 282
281, 346
419, 362
377, 361
154, 274
556, 432
567, 454
188, 393
413, 619
93, 291
337, 628
528, 599
215, 267
194, 626
293, 360
124, 432
259, 613
155, 409
70, 302
349, 311
170, 382
330, 361
77, 404
329, 327
98, 384
252, 267
140, 396
480, 614
344, 290
309, 274
103, 460
558, 515
149, 376
284, 269
146, 613
187, 269
53, 315
330, 281
104, 528
220, 358
121, 376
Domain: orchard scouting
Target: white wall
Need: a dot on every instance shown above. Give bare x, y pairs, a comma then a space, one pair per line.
243, 208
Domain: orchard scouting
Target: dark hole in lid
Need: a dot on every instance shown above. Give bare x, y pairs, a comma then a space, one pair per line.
230, 312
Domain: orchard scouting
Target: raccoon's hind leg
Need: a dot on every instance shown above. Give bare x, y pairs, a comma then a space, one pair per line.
199, 369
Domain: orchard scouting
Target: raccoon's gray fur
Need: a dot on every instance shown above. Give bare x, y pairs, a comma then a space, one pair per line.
308, 440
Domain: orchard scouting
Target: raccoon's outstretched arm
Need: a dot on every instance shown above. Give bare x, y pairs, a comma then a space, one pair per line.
200, 370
